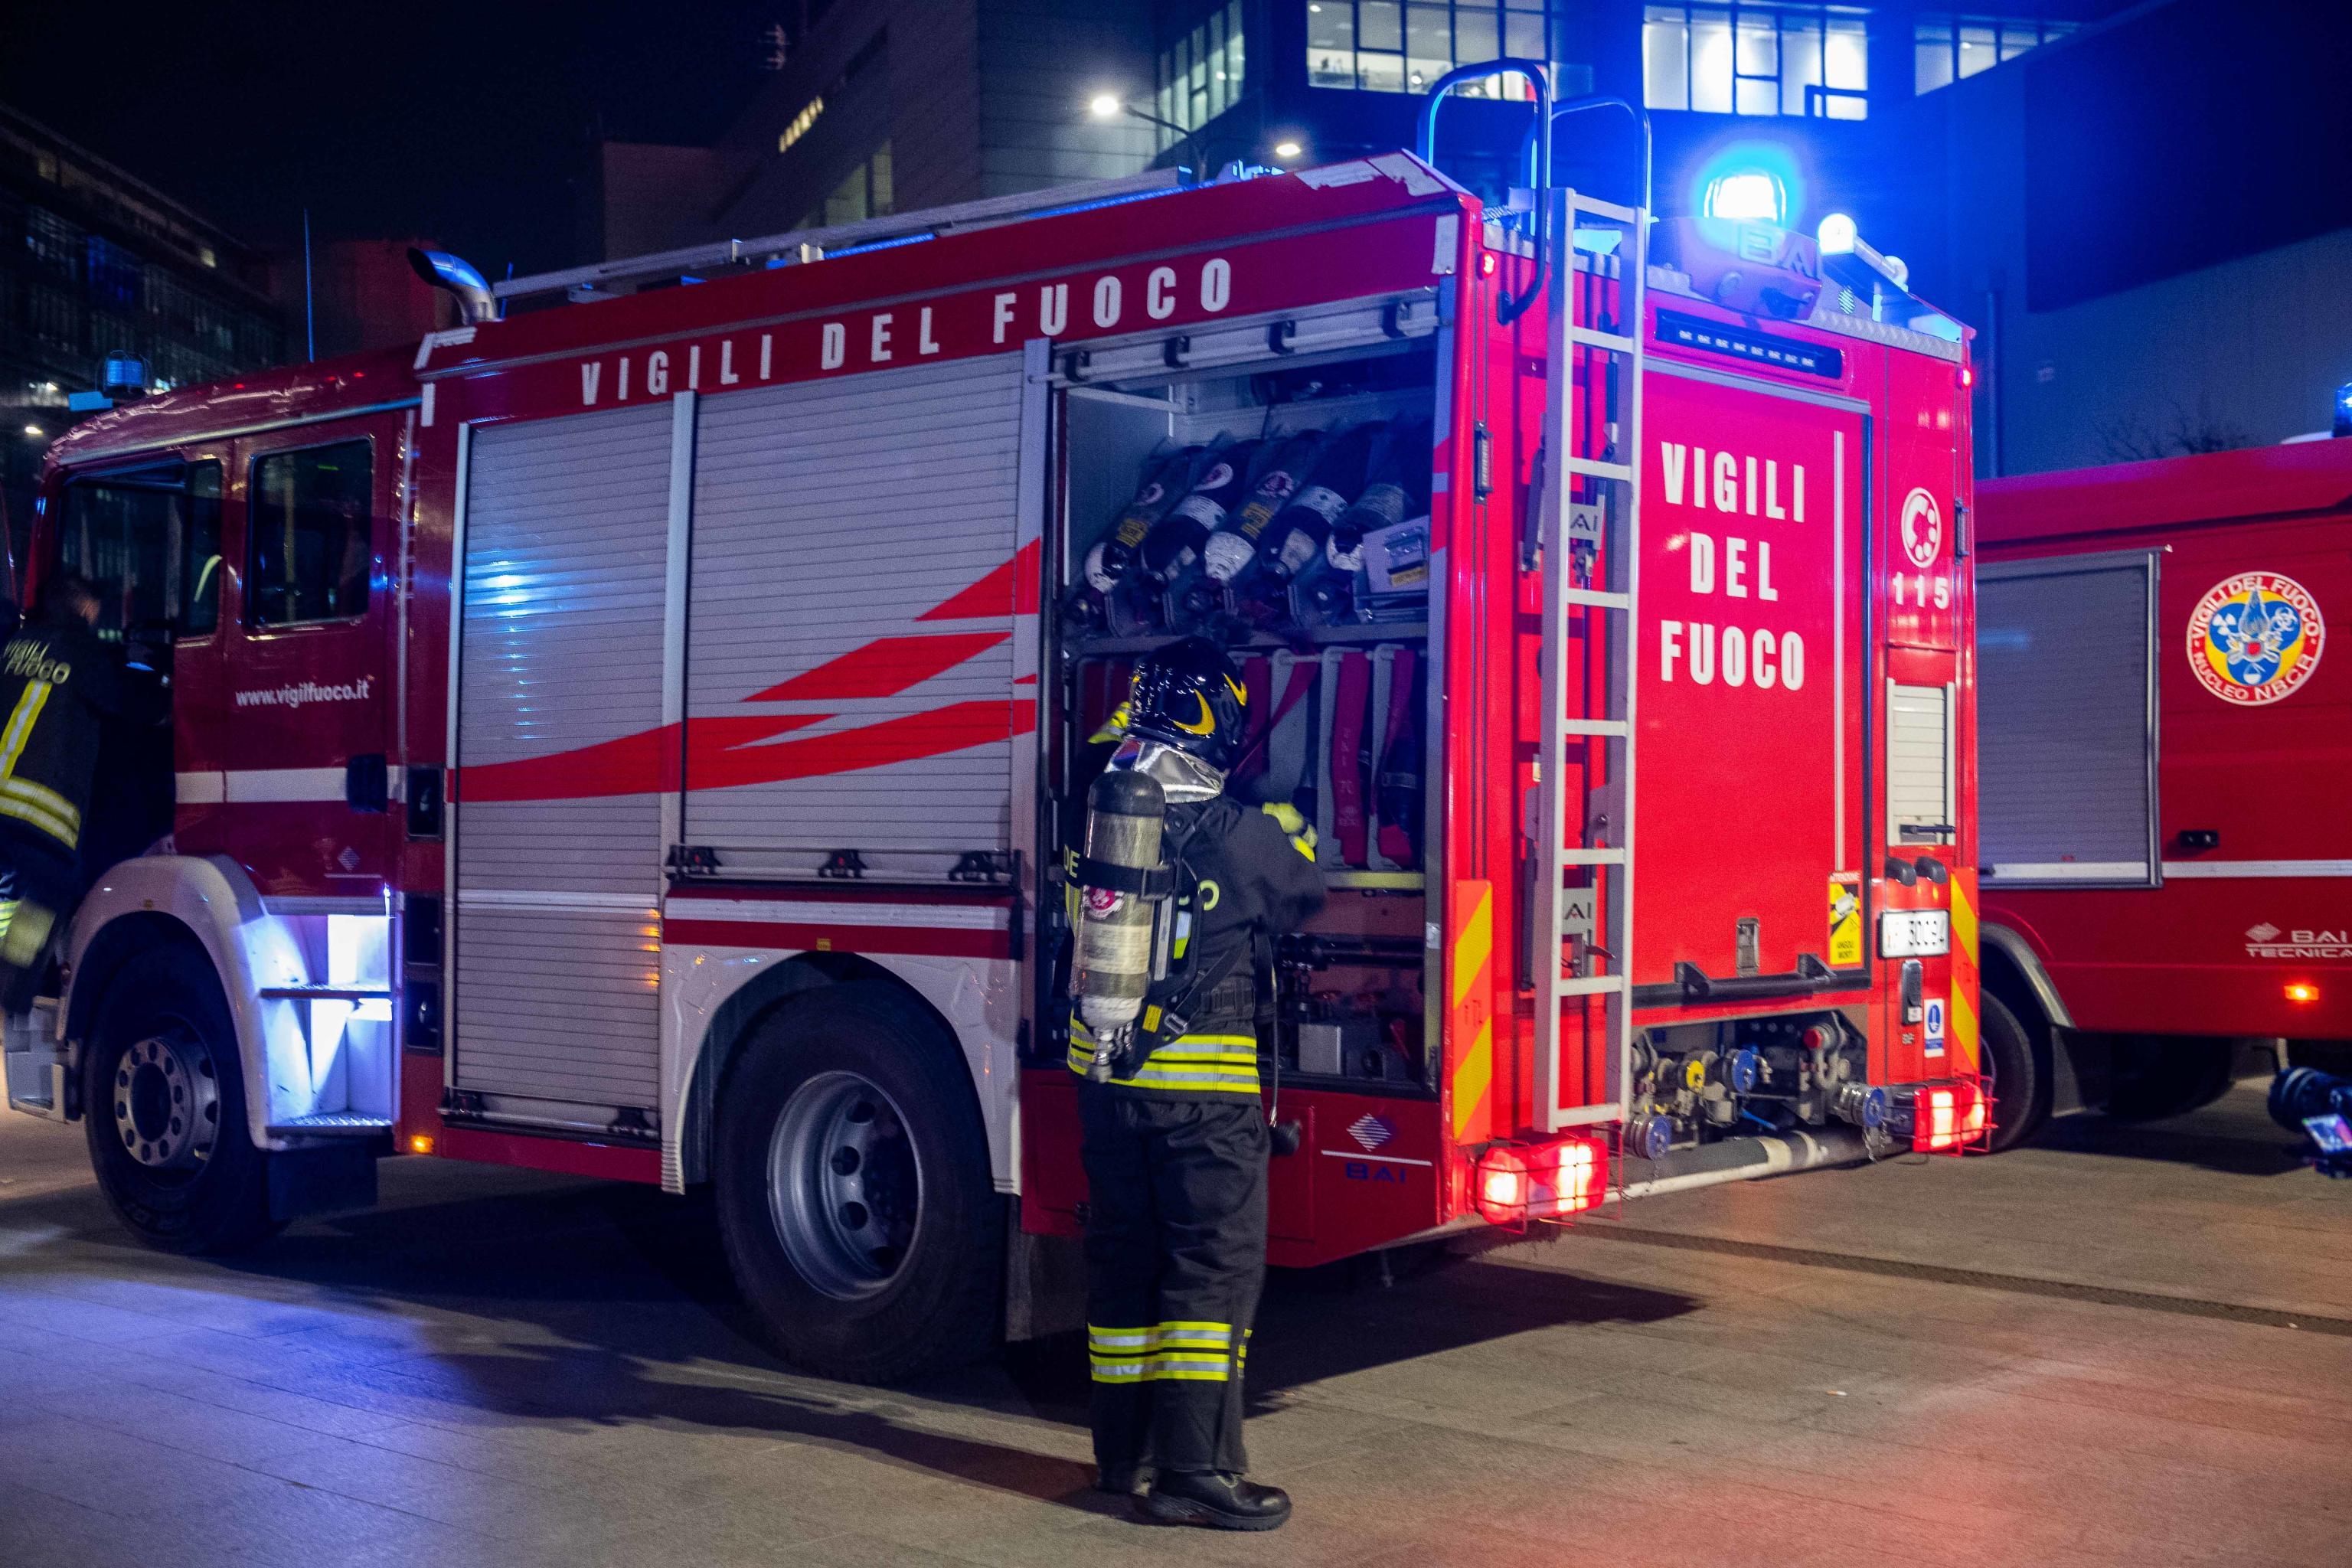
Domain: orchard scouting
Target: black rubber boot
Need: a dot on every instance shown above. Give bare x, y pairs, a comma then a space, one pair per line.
1217, 1500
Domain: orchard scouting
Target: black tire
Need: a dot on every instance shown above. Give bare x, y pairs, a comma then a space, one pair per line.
916, 1283
164, 1108
2019, 1090
2157, 1075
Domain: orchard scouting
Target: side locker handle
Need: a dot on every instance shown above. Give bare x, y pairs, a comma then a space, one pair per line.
367, 783
424, 802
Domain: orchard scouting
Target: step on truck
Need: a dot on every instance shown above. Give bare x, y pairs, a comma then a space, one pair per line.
634, 733
2168, 837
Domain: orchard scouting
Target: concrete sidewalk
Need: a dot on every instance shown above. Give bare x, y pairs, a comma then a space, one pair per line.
2078, 1353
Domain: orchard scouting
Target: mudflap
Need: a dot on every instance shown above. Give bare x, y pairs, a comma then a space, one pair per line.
1045, 1284
331, 1179
40, 1066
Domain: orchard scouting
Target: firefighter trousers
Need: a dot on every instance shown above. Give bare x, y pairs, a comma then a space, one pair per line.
40, 881
1175, 1258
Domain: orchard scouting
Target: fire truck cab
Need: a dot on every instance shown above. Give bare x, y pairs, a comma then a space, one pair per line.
2167, 840
634, 733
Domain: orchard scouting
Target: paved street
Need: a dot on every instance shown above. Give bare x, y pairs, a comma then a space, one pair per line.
2125, 1346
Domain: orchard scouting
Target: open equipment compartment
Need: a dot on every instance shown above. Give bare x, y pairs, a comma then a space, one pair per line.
1335, 643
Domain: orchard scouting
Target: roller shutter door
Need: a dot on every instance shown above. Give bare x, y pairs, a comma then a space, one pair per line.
839, 694
2067, 722
556, 984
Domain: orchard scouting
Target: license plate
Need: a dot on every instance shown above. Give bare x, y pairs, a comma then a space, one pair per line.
1914, 933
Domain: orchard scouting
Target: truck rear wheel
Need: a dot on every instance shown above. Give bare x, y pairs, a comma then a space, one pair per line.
2021, 1097
2157, 1075
854, 1189
164, 1108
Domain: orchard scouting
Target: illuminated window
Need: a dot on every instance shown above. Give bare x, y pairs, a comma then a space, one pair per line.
1756, 60
1389, 46
1946, 49
800, 125
1201, 73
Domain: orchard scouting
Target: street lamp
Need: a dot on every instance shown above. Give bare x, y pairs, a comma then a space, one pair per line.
1110, 106
1288, 149
35, 431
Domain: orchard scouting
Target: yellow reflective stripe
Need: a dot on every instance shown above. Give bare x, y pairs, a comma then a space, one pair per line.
41, 797
1194, 1323
40, 819
1122, 1372
1120, 1339
20, 725
27, 934
1215, 1371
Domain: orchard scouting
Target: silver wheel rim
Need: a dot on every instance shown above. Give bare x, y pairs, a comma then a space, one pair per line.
844, 1189
167, 1102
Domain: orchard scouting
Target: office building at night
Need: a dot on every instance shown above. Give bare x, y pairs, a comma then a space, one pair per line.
96, 264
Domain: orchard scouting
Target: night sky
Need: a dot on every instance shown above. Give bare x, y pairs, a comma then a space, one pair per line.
468, 123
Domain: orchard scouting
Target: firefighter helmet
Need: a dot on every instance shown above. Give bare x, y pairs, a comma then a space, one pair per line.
1189, 695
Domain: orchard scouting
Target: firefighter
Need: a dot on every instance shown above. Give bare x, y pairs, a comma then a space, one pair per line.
58, 683
1175, 1140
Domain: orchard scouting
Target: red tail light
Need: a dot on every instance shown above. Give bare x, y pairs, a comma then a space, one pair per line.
1515, 1183
1501, 1185
1947, 1116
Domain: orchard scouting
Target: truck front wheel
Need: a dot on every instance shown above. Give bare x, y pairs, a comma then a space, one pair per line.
164, 1108
853, 1190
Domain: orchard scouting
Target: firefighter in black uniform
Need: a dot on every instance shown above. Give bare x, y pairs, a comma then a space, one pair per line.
58, 683
1175, 1144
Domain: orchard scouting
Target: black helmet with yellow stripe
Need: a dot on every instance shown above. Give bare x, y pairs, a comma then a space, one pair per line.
1189, 695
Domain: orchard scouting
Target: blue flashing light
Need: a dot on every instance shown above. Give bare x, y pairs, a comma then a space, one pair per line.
1747, 196
1746, 179
1836, 235
2344, 409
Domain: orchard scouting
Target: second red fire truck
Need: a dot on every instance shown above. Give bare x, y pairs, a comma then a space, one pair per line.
2167, 835
635, 736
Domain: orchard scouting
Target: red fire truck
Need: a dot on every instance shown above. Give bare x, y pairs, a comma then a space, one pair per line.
2167, 838
633, 733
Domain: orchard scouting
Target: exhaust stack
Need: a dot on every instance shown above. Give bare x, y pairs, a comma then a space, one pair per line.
457, 275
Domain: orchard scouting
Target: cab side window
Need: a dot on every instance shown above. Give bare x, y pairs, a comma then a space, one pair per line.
307, 528
150, 540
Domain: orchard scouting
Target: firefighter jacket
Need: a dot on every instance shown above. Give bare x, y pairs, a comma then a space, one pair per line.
1250, 873
58, 683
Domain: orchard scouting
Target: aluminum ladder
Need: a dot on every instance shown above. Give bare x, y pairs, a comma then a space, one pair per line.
1588, 530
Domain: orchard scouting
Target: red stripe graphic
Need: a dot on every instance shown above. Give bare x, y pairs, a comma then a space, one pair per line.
1010, 590
926, 941
883, 668
733, 751
723, 753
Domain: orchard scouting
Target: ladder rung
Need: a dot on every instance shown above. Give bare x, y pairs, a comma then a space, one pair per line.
1615, 856
1593, 468
1615, 729
1590, 985
1597, 598
1602, 209
1614, 343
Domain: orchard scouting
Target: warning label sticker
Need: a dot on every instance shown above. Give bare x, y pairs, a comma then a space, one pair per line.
1846, 920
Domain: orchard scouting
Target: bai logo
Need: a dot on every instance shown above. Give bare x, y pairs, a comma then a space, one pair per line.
2267, 940
1371, 1132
